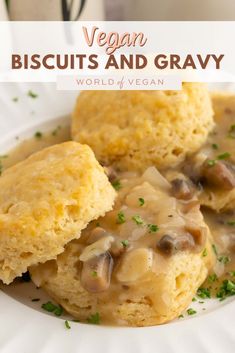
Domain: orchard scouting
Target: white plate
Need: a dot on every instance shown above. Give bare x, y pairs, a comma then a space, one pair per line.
26, 328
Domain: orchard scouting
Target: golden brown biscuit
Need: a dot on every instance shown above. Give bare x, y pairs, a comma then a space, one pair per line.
151, 282
137, 129
220, 198
45, 201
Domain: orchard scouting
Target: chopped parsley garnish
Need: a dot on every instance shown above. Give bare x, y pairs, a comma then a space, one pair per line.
215, 146
231, 131
116, 185
15, 99
204, 253
224, 155
214, 249
141, 201
94, 273
52, 308
212, 278
180, 316
67, 325
94, 319
191, 311
125, 243
231, 223
121, 218
203, 293
153, 228
32, 94
227, 289
211, 162
232, 273
35, 299
224, 259
138, 220
194, 299
38, 135
201, 302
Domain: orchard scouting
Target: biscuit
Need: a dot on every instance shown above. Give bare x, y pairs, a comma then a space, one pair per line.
141, 265
45, 201
155, 299
133, 130
224, 107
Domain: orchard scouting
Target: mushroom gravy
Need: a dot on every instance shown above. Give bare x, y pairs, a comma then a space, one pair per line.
154, 216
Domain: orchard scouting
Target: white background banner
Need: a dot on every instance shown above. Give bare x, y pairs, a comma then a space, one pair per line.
65, 52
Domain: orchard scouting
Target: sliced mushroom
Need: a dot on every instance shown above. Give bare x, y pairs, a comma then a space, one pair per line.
220, 174
111, 173
96, 234
169, 245
182, 189
96, 273
97, 248
117, 248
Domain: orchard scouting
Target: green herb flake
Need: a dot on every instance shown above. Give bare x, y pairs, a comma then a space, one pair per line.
231, 131
52, 308
58, 311
203, 293
138, 220
224, 155
49, 306
35, 300
125, 243
117, 185
212, 278
67, 325
201, 302
224, 259
194, 299
15, 99
211, 162
181, 316
141, 201
231, 223
32, 94
214, 249
204, 253
38, 135
121, 218
232, 273
94, 273
153, 228
94, 319
227, 289
191, 311
214, 146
